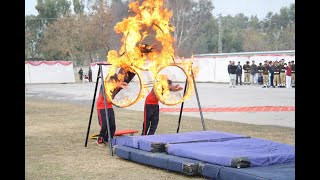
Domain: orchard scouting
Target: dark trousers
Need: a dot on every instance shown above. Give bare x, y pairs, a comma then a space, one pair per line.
151, 119
90, 78
271, 79
239, 76
103, 123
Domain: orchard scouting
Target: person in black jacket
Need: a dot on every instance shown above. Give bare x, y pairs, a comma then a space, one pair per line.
271, 73
229, 67
80, 74
265, 74
254, 73
246, 69
239, 74
233, 71
90, 74
276, 79
282, 74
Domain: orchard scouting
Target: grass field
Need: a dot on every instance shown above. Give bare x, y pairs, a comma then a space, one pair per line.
55, 135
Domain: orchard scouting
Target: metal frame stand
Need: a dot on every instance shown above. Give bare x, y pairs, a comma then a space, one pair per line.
105, 105
198, 100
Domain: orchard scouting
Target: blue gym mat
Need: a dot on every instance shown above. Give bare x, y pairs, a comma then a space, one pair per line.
160, 160
284, 171
193, 167
245, 152
156, 143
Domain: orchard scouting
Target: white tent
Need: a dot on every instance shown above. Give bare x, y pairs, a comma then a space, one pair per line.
49, 72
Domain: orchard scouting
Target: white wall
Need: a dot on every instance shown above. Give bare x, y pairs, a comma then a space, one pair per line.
211, 69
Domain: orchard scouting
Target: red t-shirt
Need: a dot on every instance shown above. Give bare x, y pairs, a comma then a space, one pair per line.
152, 98
100, 103
288, 73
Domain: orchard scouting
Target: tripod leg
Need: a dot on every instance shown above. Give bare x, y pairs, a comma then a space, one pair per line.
181, 109
93, 101
107, 118
195, 89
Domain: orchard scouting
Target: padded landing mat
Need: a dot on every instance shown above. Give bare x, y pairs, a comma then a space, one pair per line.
156, 143
160, 160
275, 172
245, 152
193, 167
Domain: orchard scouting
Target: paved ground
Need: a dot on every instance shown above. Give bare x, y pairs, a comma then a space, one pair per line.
211, 96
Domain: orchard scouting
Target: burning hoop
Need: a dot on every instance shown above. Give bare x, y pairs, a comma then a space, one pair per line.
110, 87
161, 88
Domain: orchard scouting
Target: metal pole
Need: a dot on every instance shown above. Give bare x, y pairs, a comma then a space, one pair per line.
105, 107
195, 89
93, 100
181, 109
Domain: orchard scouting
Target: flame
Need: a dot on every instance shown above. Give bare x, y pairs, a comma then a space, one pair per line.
150, 17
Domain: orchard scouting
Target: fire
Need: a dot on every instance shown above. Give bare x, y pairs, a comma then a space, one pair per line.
149, 19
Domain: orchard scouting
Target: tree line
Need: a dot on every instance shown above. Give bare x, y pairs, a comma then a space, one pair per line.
82, 31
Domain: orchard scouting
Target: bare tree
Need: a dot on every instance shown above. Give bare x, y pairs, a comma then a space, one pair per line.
188, 16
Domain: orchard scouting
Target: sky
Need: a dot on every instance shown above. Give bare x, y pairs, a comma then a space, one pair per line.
225, 7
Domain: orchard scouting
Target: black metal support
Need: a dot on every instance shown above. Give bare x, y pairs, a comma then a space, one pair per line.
196, 91
105, 106
93, 101
184, 92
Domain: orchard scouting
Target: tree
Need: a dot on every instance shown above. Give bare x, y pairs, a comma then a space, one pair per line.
253, 40
206, 39
32, 36
78, 7
188, 16
50, 10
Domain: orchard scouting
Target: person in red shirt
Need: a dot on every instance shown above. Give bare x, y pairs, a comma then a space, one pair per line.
288, 75
151, 110
103, 135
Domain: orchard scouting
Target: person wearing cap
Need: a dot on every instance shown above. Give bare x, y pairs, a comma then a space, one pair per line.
265, 74
271, 74
276, 74
282, 74
253, 71
239, 74
246, 69
293, 76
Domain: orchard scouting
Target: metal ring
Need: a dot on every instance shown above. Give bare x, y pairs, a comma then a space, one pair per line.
188, 91
109, 95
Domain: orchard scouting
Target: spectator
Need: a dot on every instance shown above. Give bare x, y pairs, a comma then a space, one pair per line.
271, 73
276, 79
233, 71
90, 74
239, 74
253, 71
246, 69
265, 74
282, 74
293, 73
229, 67
80, 74
288, 74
